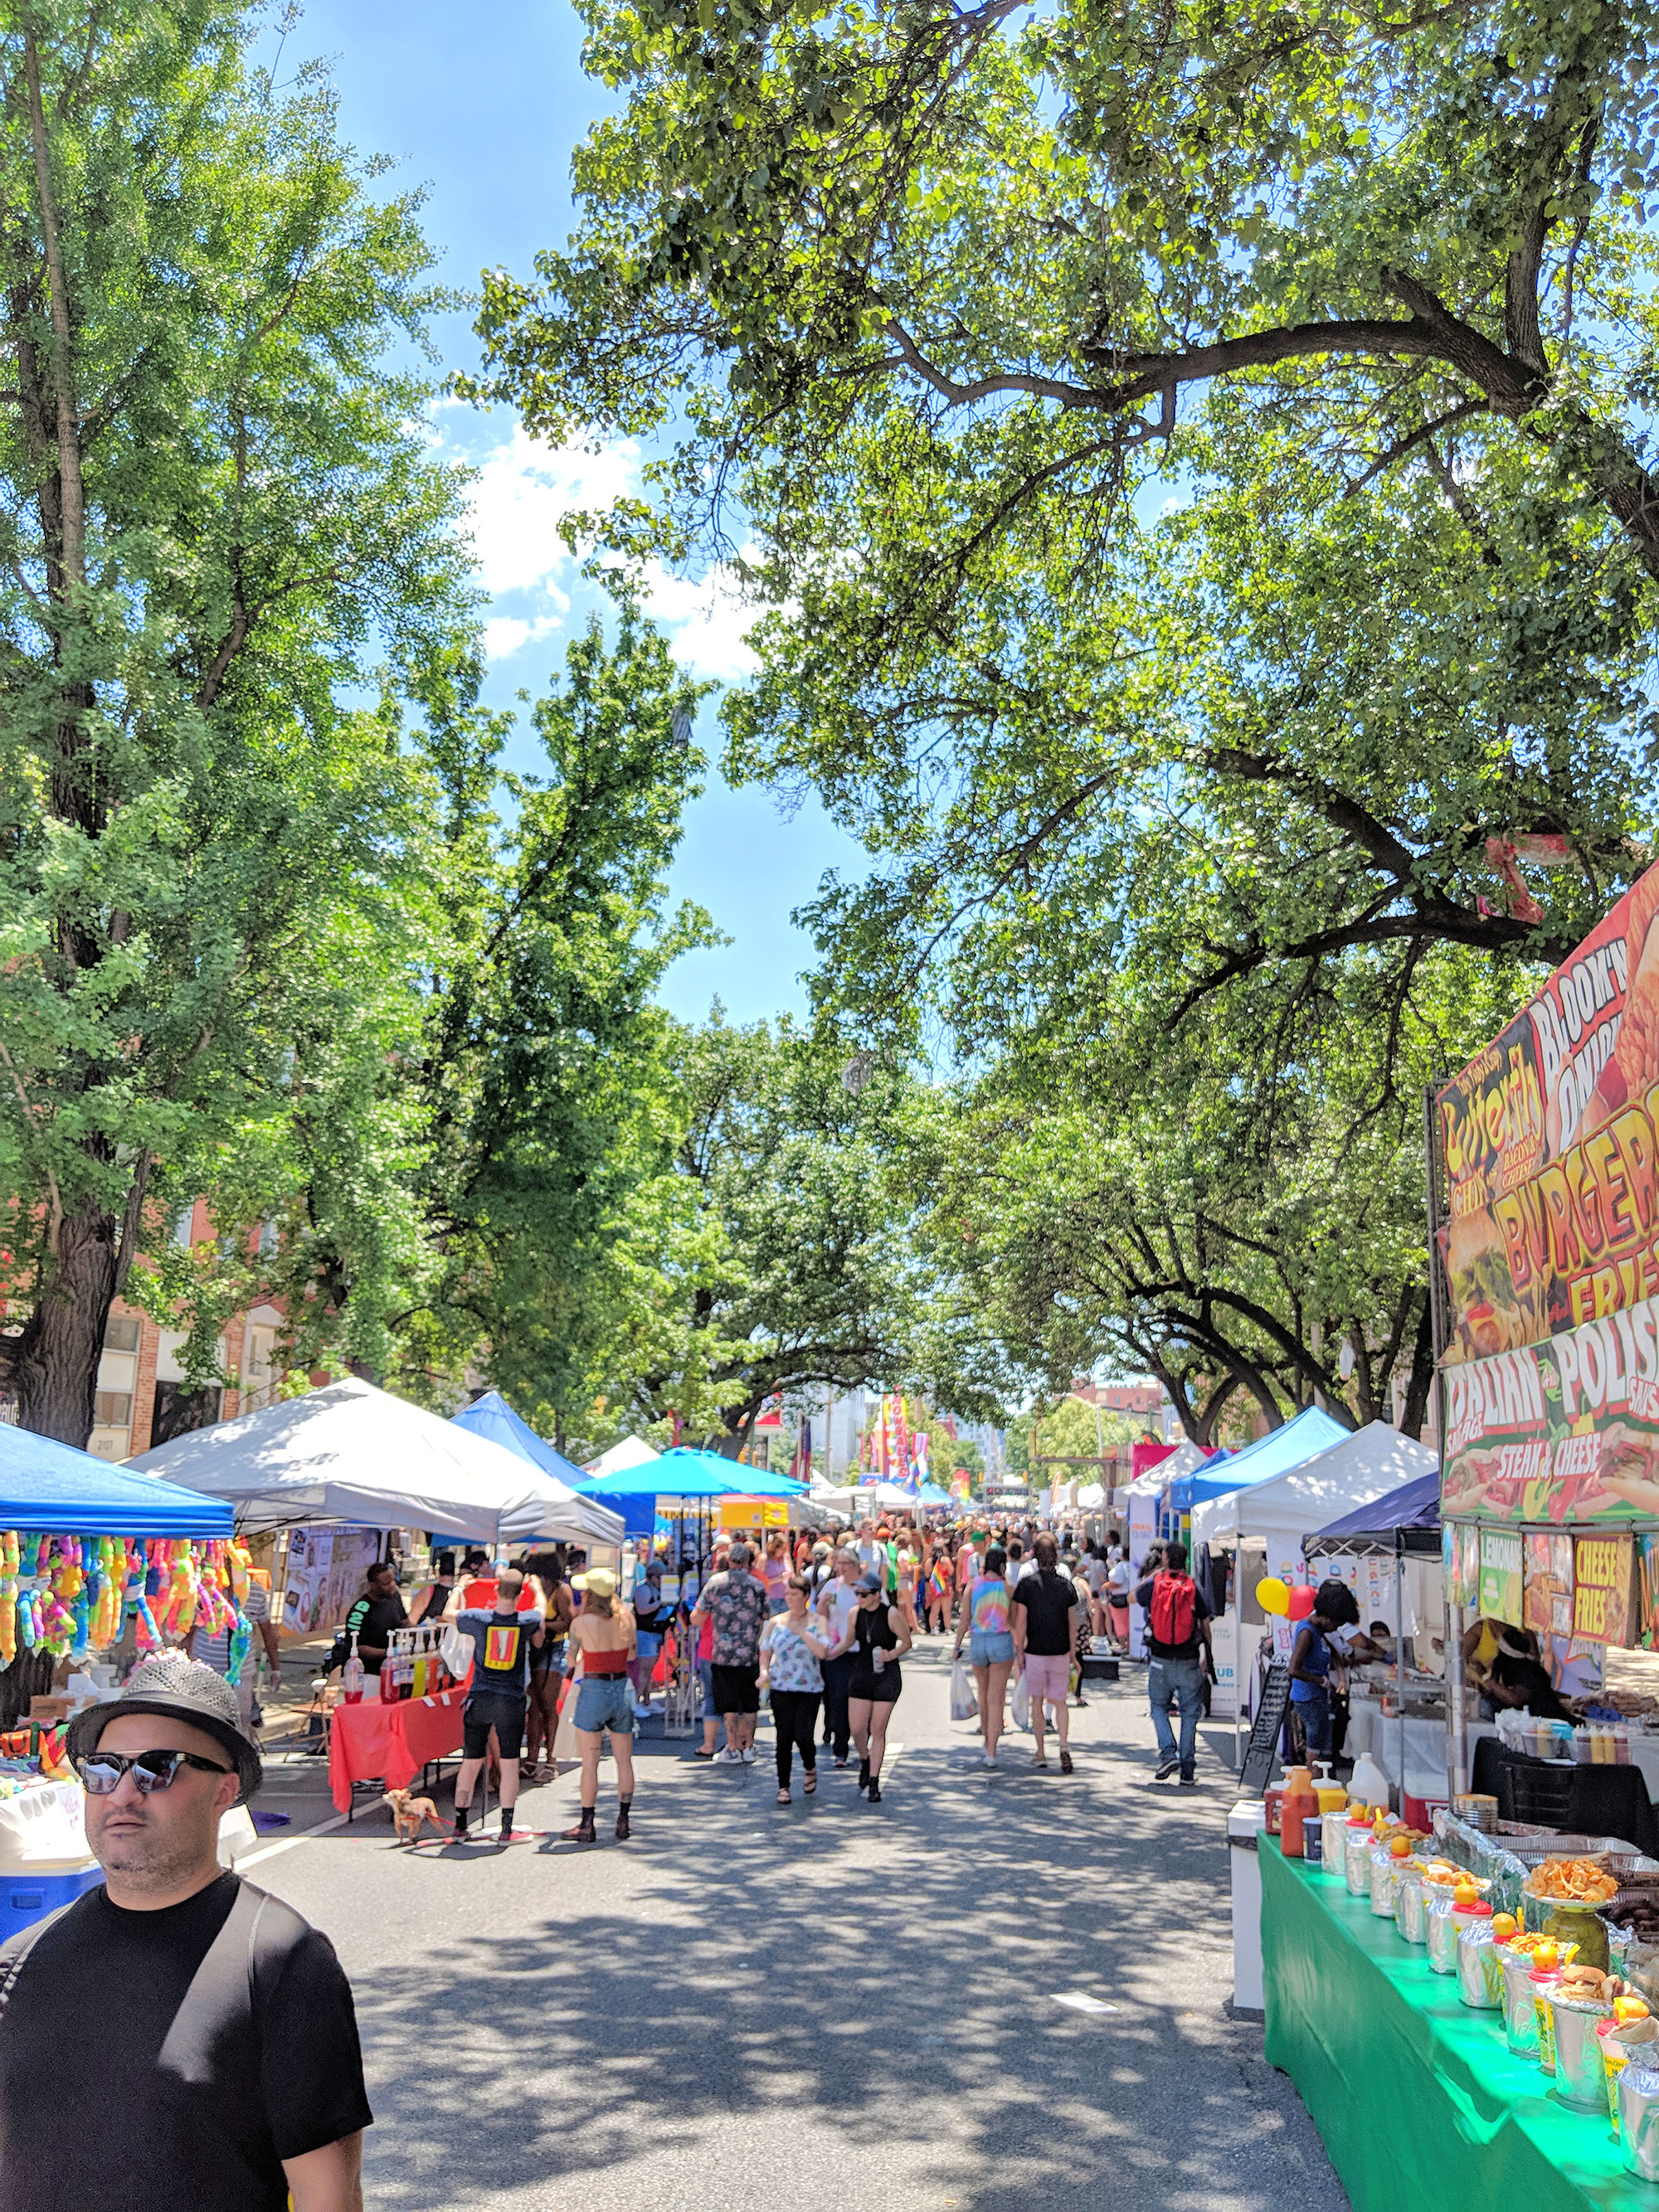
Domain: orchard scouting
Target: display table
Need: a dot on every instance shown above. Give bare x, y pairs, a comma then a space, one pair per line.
1418, 2099
393, 1742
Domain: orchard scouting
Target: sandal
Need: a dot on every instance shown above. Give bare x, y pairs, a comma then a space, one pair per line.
811, 1784
1066, 1762
783, 1797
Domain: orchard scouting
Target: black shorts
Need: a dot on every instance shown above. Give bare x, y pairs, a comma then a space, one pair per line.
491, 1709
875, 1689
735, 1689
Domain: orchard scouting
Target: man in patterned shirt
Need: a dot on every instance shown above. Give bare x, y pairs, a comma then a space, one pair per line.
734, 1603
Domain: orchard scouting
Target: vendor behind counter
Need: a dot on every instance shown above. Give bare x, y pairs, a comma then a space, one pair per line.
1505, 1665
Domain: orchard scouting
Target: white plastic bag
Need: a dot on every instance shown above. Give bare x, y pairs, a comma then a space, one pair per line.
456, 1648
1020, 1704
964, 1705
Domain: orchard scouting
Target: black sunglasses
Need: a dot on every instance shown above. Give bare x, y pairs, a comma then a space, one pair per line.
101, 1770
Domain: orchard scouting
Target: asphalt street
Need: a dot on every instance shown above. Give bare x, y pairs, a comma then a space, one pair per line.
838, 2005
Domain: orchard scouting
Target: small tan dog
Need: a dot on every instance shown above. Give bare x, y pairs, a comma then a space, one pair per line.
409, 1815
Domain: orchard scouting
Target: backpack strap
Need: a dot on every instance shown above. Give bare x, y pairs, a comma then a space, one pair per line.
13, 1966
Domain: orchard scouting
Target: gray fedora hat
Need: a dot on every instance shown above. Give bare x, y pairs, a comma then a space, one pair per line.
182, 1690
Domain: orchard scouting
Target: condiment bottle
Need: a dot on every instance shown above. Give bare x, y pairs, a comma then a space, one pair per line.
1272, 1801
1622, 1745
1299, 1802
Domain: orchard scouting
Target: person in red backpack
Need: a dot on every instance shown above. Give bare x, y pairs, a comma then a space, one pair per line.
1177, 1633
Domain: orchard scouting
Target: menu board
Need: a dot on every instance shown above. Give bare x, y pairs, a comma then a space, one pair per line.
1546, 1600
1566, 1430
1604, 1605
1552, 1155
1501, 1576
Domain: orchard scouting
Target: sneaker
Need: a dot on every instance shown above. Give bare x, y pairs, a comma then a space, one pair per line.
641, 1712
728, 1757
1189, 1782
747, 1754
1166, 1767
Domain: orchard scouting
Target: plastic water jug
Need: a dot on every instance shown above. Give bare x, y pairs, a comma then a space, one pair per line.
1367, 1784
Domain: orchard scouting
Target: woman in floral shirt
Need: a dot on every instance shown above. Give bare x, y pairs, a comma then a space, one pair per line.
789, 1656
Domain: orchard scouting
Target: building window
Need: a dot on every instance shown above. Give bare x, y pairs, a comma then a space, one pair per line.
182, 1226
120, 1333
113, 1409
179, 1409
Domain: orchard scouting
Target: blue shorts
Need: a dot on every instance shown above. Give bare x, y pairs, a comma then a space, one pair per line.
605, 1701
705, 1676
649, 1644
991, 1647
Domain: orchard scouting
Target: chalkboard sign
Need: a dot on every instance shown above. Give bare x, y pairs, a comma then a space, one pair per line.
1263, 1746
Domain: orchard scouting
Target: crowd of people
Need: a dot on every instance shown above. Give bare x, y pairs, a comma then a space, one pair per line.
816, 1628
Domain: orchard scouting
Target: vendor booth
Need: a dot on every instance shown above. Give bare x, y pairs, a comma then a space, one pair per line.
99, 1567
1258, 1531
1225, 1476
355, 1454
1512, 2074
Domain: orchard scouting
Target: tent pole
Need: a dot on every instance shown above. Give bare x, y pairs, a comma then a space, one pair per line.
1400, 1653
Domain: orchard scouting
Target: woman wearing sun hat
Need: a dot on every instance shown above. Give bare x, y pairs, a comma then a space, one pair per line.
603, 1638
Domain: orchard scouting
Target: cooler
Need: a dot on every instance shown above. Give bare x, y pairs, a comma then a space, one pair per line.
44, 1859
27, 1897
1245, 1823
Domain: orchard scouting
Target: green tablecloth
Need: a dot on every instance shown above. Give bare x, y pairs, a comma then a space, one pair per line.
1419, 2102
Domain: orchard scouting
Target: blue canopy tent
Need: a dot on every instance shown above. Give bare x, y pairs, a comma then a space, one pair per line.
47, 1488
569, 1518
1406, 1520
929, 1494
1269, 1456
633, 1492
491, 1416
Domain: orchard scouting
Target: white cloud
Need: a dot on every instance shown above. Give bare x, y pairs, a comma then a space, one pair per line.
523, 490
705, 621
505, 635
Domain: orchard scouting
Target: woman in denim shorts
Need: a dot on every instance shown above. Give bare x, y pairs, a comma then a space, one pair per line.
982, 1619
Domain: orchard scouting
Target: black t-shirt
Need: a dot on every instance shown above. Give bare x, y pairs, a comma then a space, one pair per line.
1048, 1600
371, 1620
123, 2088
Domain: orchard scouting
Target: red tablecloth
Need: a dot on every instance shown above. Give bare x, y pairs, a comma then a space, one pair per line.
392, 1742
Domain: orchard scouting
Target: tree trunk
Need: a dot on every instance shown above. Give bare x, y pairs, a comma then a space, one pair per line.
54, 1363
1414, 1411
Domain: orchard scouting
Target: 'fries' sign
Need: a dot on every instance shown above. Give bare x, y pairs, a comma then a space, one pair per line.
1603, 1591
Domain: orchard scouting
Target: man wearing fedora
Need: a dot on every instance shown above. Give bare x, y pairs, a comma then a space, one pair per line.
192, 2038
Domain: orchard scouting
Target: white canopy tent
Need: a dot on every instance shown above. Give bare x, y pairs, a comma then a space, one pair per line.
1185, 1459
351, 1452
632, 1451
1363, 1466
862, 1497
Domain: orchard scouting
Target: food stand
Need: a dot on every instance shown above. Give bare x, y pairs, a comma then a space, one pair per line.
1543, 1155
1544, 1260
1418, 2099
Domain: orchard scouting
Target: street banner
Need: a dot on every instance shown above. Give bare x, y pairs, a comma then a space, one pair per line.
1563, 1431
1551, 1153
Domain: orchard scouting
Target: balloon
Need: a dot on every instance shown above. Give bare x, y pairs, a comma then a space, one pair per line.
1301, 1602
1272, 1595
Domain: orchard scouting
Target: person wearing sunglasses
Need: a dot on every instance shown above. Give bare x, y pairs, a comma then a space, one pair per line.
193, 2038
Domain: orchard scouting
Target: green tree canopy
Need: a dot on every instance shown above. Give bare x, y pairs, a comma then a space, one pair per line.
222, 521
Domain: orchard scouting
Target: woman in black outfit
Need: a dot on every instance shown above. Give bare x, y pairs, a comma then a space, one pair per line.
875, 1627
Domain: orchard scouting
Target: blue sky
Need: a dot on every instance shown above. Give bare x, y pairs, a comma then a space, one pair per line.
485, 111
